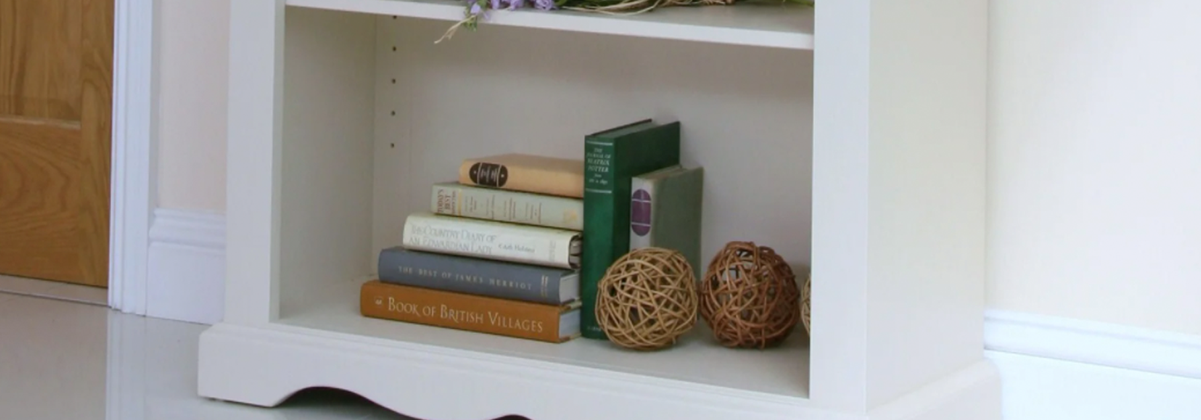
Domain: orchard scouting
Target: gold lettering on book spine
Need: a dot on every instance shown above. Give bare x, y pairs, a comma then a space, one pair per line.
413, 304
449, 201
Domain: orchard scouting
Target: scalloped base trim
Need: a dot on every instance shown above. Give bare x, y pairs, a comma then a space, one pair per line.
263, 366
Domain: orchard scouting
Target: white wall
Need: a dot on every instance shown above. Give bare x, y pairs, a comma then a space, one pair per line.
193, 77
1095, 161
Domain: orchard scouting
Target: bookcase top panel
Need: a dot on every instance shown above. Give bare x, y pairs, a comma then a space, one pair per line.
763, 24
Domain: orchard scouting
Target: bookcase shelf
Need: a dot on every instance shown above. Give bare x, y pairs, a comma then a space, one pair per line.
778, 373
860, 161
765, 24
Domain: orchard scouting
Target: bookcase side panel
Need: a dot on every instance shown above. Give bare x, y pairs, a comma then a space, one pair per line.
898, 198
326, 153
926, 272
253, 162
840, 205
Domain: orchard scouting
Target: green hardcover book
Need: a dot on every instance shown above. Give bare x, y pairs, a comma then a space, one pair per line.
612, 157
665, 212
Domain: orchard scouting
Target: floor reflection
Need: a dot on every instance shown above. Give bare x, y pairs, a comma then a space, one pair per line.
152, 375
71, 360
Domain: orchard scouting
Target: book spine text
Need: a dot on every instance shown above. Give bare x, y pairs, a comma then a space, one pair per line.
473, 276
460, 311
508, 206
520, 178
459, 236
598, 228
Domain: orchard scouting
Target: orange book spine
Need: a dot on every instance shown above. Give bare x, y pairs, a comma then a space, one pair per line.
549, 176
468, 312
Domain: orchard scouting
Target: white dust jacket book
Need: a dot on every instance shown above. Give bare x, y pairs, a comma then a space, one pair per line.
526, 244
455, 199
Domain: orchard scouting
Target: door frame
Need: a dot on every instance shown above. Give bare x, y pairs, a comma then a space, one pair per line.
134, 152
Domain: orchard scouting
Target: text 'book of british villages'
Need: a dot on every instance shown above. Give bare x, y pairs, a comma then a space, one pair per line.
550, 323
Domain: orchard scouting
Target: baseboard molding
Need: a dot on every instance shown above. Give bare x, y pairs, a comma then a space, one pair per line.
186, 266
1061, 369
1093, 343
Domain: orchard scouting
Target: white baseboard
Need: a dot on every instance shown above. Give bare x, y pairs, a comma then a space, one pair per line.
1094, 343
1063, 369
186, 266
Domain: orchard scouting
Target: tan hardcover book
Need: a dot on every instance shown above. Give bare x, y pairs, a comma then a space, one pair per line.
549, 323
524, 172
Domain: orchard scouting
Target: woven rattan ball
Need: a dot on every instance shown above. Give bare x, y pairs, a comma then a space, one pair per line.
749, 296
806, 293
647, 299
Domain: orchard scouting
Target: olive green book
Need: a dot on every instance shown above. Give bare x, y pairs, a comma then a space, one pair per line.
611, 158
665, 212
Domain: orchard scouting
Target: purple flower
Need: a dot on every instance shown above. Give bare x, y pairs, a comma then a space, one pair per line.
515, 4
495, 4
544, 4
475, 8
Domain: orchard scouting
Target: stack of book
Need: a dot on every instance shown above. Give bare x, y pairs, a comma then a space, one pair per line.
498, 252
518, 245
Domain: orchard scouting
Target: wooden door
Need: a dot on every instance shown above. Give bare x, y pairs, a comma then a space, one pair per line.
55, 107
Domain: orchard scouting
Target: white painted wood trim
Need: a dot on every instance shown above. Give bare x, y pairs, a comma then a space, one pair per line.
1037, 388
1093, 343
880, 169
288, 358
195, 228
256, 58
186, 266
135, 79
1055, 368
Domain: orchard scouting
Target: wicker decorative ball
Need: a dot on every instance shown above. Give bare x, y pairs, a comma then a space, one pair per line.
647, 299
749, 296
806, 293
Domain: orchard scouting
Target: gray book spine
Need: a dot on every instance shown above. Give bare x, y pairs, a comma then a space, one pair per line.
475, 276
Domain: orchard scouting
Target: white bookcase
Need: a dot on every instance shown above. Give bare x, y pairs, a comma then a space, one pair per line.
851, 139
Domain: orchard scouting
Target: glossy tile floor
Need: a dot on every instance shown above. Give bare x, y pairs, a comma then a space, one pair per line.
77, 359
